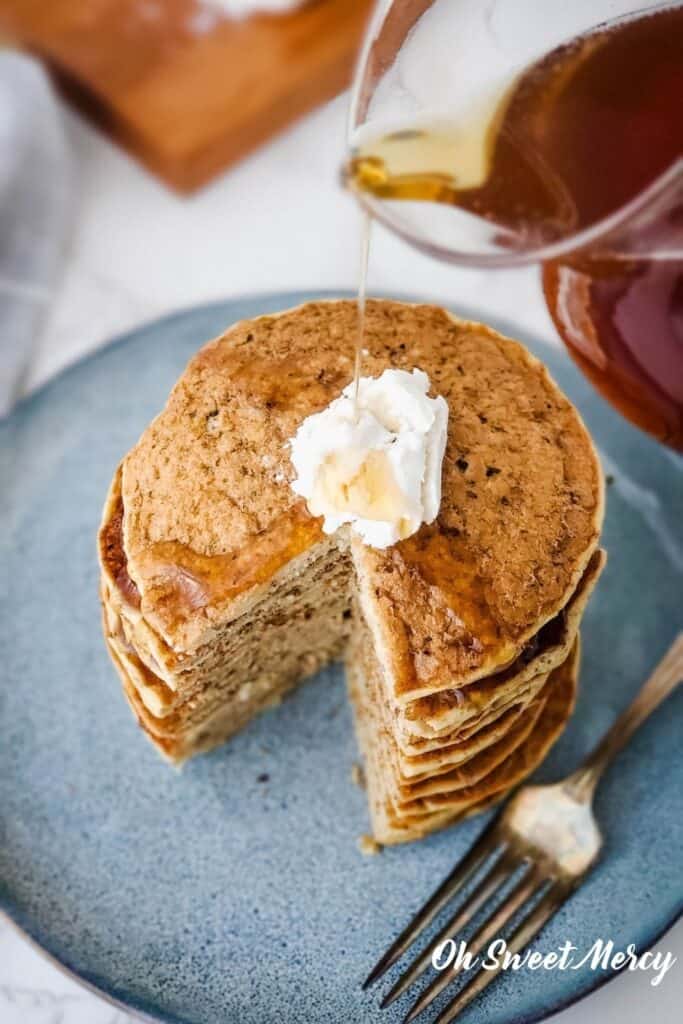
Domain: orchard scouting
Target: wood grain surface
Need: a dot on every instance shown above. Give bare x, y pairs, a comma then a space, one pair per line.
186, 89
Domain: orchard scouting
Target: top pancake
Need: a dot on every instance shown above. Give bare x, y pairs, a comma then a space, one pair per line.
209, 518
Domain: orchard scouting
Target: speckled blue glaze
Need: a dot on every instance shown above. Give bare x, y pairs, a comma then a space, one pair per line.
206, 896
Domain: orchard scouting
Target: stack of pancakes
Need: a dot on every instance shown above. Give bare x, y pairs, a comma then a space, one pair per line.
221, 592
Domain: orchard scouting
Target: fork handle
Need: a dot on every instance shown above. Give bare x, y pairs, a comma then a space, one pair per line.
663, 681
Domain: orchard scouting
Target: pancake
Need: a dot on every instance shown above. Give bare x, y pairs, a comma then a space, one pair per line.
390, 826
209, 521
428, 721
493, 734
364, 668
476, 768
307, 625
304, 610
527, 757
465, 745
407, 796
447, 778
220, 591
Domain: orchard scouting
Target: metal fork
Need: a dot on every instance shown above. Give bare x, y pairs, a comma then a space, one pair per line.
542, 846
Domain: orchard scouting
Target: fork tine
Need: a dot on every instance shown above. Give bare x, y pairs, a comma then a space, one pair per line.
522, 892
490, 883
464, 869
521, 937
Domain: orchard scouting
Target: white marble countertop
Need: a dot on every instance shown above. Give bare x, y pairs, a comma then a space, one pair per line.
278, 221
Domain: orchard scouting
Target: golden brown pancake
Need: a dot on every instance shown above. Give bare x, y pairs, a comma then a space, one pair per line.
428, 721
208, 520
393, 825
476, 768
221, 592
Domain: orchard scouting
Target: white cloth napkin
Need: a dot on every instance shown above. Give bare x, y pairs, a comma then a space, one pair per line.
36, 190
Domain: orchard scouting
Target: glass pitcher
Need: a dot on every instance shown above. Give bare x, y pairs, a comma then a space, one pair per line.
493, 133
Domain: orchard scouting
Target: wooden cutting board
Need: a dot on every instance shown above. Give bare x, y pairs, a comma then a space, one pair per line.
186, 89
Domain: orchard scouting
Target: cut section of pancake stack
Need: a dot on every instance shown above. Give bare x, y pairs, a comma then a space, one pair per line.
220, 592
437, 759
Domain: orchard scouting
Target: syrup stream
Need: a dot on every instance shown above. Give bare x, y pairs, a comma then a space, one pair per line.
360, 306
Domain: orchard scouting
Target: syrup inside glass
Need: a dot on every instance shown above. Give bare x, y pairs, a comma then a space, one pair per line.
578, 136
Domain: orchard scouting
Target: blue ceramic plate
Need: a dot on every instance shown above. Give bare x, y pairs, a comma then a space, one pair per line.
212, 895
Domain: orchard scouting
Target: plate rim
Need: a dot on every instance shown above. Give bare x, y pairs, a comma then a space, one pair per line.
147, 1017
290, 298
